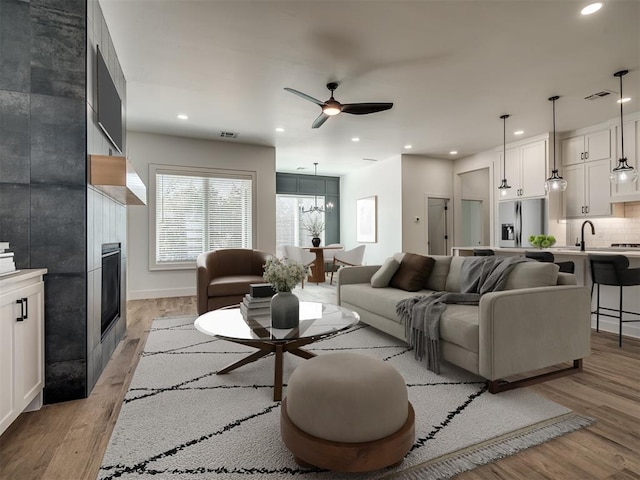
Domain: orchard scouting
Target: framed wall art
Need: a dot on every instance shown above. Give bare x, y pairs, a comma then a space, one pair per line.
366, 220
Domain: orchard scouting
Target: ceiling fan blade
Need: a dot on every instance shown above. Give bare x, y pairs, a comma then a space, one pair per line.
364, 108
320, 120
305, 96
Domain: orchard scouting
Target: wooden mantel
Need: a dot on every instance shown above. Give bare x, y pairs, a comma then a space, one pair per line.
116, 177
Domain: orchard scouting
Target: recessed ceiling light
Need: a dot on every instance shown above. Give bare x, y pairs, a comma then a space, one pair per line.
355, 139
593, 8
182, 116
453, 152
624, 100
279, 129
518, 132
408, 147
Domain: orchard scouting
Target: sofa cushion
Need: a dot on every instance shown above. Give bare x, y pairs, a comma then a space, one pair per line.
413, 272
381, 301
459, 325
382, 277
232, 285
532, 274
453, 277
437, 281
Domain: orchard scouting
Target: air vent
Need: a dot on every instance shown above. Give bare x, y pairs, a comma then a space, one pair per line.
228, 135
301, 168
369, 159
600, 94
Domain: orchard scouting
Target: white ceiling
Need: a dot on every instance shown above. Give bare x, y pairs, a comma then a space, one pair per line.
450, 67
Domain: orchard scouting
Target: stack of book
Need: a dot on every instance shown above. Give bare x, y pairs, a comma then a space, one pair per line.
7, 265
255, 306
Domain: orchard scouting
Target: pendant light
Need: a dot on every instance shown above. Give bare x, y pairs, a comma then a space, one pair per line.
555, 183
503, 184
320, 209
623, 173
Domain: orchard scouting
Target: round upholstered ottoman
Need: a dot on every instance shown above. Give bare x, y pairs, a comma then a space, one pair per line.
347, 412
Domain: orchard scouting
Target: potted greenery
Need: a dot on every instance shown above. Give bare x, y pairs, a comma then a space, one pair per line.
542, 241
315, 226
284, 275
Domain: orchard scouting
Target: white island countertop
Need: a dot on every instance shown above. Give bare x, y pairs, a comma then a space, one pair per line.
574, 251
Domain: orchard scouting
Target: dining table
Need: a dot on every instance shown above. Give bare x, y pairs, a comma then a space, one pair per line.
317, 272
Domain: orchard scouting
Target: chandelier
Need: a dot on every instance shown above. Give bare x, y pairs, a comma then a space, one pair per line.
320, 209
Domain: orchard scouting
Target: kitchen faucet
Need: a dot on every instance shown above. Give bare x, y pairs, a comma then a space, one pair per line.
593, 232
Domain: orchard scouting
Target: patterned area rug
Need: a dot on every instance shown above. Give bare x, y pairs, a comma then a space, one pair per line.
182, 421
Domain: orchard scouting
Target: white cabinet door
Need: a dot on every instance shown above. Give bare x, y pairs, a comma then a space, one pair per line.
28, 343
598, 188
533, 163
598, 146
21, 347
587, 148
573, 150
574, 194
7, 402
512, 172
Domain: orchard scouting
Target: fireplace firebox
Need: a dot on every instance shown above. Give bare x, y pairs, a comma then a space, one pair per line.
111, 278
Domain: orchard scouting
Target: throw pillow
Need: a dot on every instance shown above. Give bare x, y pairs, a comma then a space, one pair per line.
532, 274
413, 272
381, 278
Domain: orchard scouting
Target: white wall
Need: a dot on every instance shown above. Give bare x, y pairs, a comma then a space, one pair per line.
422, 177
146, 148
384, 180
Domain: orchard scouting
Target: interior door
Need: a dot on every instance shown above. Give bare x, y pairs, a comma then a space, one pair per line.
472, 226
437, 226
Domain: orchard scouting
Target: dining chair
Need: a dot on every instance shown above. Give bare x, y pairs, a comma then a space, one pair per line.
299, 255
349, 258
329, 253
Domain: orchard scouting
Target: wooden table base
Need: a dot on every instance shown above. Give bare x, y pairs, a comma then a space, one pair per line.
264, 349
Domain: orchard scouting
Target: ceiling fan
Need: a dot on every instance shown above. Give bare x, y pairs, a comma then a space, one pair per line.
333, 107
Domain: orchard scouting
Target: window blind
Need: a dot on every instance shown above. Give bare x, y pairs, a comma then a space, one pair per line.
196, 213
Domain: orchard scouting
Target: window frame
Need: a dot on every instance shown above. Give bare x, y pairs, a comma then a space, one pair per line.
155, 169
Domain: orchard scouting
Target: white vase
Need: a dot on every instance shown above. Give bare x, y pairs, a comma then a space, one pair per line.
285, 310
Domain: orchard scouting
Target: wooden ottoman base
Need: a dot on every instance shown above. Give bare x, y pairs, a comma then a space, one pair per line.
347, 457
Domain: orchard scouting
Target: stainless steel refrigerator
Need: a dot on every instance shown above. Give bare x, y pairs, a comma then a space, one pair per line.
519, 219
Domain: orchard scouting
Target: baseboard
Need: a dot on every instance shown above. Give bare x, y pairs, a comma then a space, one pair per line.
161, 293
612, 325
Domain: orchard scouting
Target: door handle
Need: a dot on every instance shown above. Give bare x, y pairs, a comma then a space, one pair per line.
581, 155
586, 209
582, 209
586, 155
24, 309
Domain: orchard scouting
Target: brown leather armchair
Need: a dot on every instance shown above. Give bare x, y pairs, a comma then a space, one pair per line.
224, 276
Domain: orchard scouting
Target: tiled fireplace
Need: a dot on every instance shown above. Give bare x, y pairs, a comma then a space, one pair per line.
48, 212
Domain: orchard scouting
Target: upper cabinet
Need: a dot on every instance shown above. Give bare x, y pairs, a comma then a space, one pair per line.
589, 147
629, 192
526, 166
588, 190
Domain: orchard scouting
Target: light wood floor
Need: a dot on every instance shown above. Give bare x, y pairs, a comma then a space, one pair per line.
66, 441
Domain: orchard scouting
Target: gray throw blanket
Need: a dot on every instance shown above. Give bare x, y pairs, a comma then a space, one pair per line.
421, 314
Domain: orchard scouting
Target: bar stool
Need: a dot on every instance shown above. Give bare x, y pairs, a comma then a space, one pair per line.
612, 270
565, 267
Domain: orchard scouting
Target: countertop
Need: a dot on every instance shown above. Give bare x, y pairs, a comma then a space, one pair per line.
564, 250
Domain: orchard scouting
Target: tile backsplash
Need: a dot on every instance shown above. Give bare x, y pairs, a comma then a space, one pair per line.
608, 230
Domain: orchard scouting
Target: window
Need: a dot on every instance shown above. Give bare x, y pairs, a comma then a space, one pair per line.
194, 210
289, 229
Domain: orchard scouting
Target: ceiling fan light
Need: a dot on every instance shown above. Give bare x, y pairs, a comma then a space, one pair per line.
331, 109
555, 183
623, 173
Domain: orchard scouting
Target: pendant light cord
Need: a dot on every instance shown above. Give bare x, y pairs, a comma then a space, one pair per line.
554, 133
621, 121
504, 146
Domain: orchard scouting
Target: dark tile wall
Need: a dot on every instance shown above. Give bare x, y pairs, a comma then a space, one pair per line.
46, 120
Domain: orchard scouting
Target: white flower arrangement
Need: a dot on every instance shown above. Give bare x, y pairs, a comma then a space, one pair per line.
284, 275
314, 225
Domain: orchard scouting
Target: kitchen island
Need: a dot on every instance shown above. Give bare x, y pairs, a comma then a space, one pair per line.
608, 295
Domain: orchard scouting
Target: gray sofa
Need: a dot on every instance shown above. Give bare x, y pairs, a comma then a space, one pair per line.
541, 319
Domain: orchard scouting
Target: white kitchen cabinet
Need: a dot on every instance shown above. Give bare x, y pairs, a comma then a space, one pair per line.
629, 192
21, 344
589, 147
525, 168
588, 190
